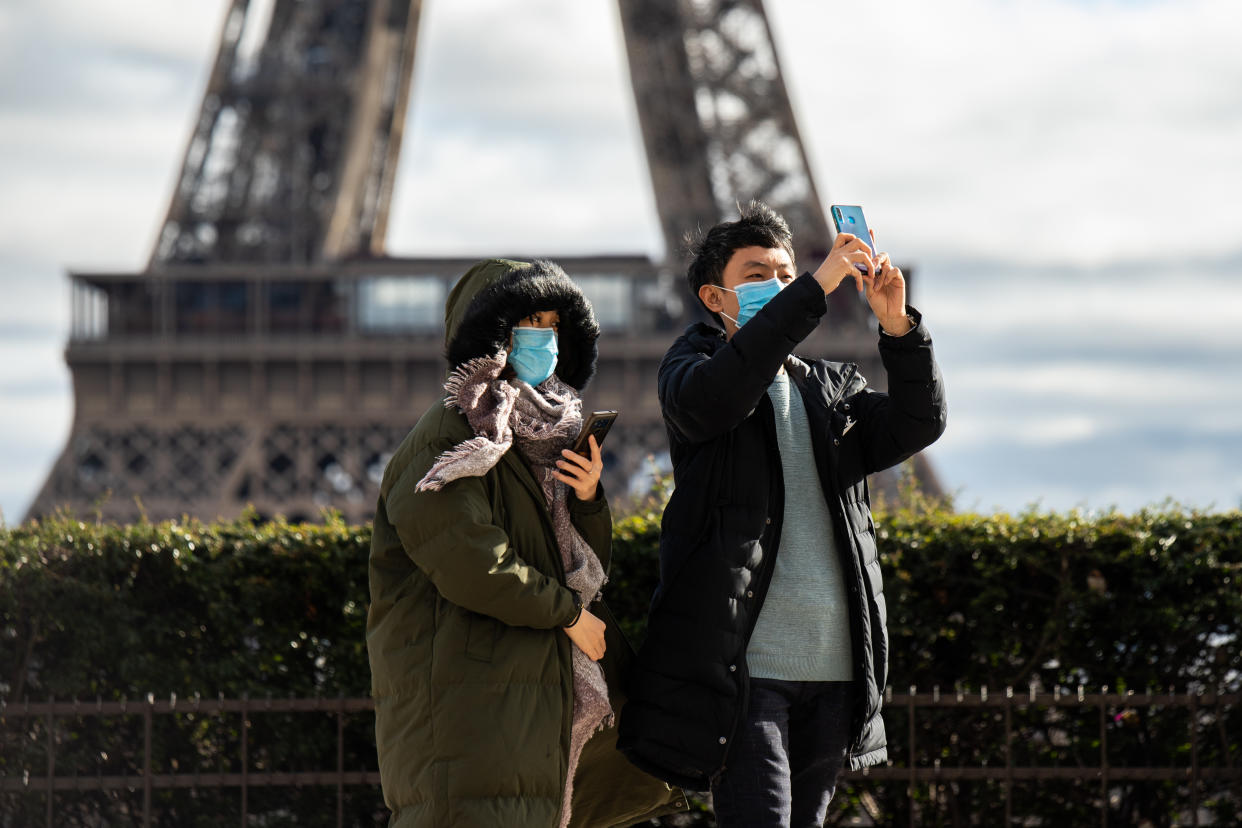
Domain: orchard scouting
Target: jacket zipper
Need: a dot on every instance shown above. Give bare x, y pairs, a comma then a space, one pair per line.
840, 512
851, 370
761, 596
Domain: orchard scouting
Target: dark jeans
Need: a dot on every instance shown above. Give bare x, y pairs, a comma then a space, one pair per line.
782, 769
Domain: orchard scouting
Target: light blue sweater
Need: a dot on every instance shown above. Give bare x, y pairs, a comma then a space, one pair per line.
803, 631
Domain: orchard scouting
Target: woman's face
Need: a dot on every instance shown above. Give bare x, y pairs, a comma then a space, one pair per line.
538, 319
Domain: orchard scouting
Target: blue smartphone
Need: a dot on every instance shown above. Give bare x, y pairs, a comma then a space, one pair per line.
849, 219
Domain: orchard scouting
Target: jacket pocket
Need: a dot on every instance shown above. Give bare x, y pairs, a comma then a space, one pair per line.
481, 635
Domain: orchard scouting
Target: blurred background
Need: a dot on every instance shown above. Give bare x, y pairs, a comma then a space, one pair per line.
1064, 177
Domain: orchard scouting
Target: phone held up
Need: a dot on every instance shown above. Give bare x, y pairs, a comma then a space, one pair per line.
849, 219
598, 424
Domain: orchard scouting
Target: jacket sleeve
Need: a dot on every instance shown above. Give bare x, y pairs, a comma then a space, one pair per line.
450, 535
704, 396
912, 415
593, 520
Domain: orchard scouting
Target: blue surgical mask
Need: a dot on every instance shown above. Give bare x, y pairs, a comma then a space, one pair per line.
534, 354
751, 296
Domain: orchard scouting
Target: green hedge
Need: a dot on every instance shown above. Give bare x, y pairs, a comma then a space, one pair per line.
1142, 601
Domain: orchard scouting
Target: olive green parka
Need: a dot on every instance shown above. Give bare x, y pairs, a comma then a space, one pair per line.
470, 667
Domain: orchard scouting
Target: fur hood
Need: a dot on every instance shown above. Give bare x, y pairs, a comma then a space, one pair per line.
496, 294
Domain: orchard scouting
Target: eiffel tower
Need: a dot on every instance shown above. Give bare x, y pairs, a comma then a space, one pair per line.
272, 354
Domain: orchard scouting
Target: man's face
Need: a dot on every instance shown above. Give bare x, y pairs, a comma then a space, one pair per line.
747, 264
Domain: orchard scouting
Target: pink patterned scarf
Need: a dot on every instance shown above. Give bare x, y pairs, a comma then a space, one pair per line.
541, 422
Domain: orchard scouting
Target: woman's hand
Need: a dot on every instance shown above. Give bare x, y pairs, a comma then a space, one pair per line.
581, 474
587, 633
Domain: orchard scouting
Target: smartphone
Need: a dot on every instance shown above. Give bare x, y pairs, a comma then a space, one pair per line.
849, 219
598, 424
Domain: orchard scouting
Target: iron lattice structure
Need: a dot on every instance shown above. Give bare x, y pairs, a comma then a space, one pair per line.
272, 355
295, 148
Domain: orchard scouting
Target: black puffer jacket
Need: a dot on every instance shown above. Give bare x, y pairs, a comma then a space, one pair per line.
722, 526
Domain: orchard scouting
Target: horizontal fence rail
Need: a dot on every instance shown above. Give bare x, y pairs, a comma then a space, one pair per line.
1068, 698
244, 708
914, 773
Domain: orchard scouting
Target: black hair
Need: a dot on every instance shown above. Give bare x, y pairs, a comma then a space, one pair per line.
758, 225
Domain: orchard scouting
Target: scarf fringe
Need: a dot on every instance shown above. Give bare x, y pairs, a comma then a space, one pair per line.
478, 370
471, 458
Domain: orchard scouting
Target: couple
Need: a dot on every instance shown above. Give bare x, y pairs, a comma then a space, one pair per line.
497, 668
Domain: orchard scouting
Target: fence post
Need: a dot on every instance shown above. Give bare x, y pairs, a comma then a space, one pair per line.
51, 760
1194, 757
146, 760
910, 789
1008, 756
245, 769
340, 761
1104, 757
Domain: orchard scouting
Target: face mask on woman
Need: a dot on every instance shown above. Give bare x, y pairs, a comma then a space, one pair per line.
751, 296
534, 354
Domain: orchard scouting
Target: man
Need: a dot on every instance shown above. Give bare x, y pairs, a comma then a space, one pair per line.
766, 653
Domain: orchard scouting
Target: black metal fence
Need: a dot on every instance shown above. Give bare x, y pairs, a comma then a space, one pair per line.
1069, 710
34, 733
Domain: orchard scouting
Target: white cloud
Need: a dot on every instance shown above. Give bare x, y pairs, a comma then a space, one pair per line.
1150, 303
1030, 130
982, 429
525, 142
185, 30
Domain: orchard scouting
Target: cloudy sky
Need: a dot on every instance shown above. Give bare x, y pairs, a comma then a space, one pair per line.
1066, 176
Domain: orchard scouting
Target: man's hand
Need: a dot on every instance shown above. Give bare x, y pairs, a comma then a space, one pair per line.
847, 252
588, 635
579, 473
886, 293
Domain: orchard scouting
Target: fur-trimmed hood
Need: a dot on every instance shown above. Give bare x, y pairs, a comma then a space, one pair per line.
496, 294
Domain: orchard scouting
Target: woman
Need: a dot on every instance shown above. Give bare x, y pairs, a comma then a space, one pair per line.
494, 666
